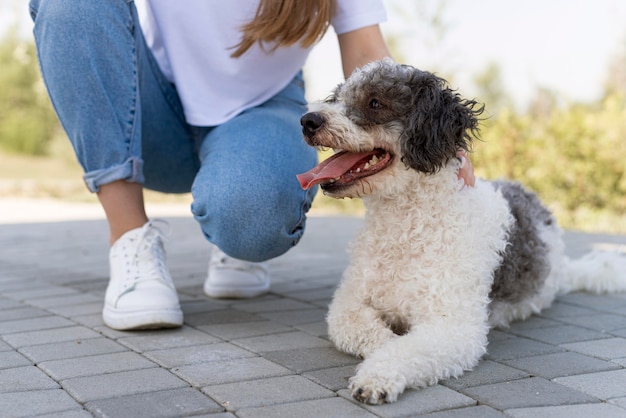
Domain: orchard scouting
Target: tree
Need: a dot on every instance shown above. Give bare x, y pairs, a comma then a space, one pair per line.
27, 120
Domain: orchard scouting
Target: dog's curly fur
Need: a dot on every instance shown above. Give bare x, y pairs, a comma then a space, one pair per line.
436, 265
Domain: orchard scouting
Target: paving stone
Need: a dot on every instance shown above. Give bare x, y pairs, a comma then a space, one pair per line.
229, 371
415, 402
600, 322
305, 316
273, 305
562, 334
70, 311
487, 372
6, 304
568, 411
24, 312
74, 413
334, 378
171, 403
33, 324
75, 333
621, 402
71, 349
37, 402
10, 359
197, 354
25, 378
38, 291
114, 385
225, 316
535, 322
65, 300
244, 329
94, 365
565, 310
90, 320
5, 347
598, 302
518, 347
285, 341
602, 385
330, 407
317, 329
163, 339
265, 392
554, 365
523, 393
607, 349
305, 359
470, 412
620, 361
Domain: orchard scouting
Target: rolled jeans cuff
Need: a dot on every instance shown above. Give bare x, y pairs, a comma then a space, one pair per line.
130, 170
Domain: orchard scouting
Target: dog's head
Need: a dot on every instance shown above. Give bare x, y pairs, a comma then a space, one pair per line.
386, 117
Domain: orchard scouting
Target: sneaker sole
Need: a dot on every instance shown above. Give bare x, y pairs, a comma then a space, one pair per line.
144, 319
235, 293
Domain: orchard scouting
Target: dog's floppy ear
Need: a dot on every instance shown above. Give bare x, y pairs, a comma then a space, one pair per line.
439, 123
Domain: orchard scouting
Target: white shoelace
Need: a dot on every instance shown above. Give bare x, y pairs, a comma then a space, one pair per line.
148, 261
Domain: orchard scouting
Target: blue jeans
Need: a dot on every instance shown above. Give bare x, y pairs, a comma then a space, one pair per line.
126, 122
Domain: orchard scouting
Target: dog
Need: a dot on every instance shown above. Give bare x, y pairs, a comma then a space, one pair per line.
435, 265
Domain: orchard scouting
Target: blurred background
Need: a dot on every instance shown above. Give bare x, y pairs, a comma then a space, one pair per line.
552, 75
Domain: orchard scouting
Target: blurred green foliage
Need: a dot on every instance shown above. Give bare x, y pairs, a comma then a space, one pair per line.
573, 155
27, 120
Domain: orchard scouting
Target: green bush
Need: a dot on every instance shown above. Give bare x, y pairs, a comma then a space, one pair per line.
27, 120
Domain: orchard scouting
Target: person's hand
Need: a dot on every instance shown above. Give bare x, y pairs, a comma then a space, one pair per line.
466, 171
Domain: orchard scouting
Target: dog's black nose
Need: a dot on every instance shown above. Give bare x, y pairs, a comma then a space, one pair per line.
311, 122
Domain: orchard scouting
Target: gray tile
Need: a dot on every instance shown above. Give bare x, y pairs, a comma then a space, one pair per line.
285, 341
525, 393
273, 305
304, 316
487, 372
169, 338
561, 334
264, 392
602, 385
335, 378
600, 322
244, 329
317, 329
568, 411
173, 357
518, 347
114, 385
330, 407
306, 359
607, 349
66, 300
34, 324
229, 371
469, 412
70, 349
554, 365
25, 378
24, 312
94, 365
171, 403
224, 316
415, 402
10, 359
75, 333
37, 402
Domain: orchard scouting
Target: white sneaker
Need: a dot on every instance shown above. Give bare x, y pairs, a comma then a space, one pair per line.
233, 278
140, 294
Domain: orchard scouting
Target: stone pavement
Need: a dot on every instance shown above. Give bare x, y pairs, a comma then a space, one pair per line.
268, 357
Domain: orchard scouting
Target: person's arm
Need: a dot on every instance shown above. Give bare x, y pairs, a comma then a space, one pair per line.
360, 47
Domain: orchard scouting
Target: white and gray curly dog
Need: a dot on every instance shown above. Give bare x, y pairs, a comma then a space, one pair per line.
435, 265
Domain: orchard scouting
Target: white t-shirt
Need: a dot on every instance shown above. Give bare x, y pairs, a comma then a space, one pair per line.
192, 41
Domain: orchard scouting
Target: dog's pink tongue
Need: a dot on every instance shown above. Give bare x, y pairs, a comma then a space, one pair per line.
331, 168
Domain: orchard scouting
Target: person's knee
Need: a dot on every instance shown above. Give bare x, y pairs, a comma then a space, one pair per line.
249, 231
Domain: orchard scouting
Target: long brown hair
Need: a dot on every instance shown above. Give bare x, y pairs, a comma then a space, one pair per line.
285, 22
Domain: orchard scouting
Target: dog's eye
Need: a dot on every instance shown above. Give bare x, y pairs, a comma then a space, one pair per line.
374, 104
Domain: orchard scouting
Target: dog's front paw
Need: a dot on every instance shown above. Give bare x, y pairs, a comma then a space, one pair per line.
376, 389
